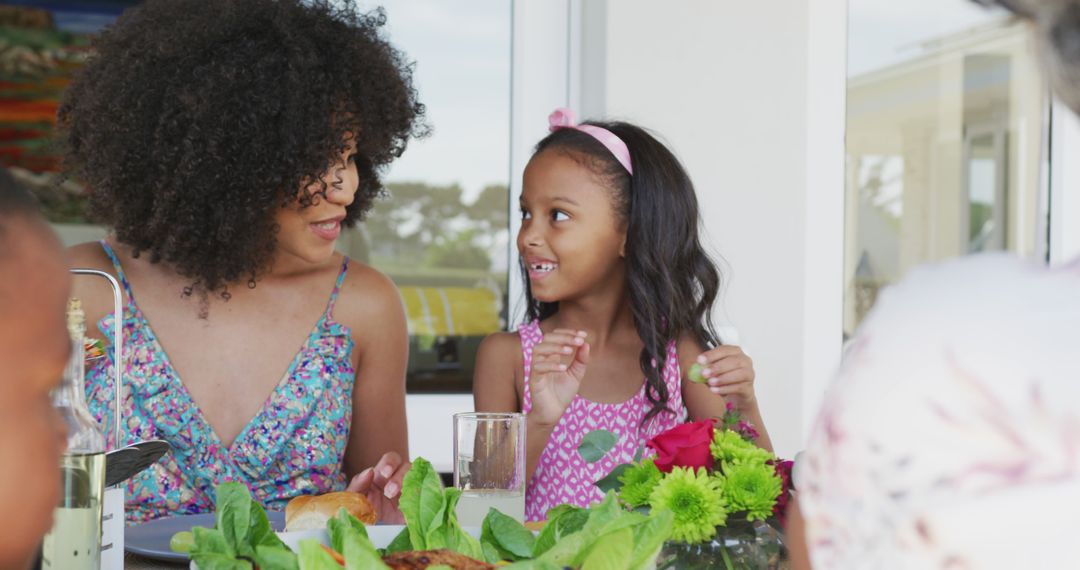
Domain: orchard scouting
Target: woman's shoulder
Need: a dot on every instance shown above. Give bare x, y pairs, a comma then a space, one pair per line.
367, 295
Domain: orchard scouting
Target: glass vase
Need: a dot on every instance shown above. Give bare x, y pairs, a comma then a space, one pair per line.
738, 546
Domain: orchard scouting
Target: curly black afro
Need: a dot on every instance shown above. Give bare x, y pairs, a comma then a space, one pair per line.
196, 119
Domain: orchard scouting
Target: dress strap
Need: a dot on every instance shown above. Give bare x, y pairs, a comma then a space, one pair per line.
530, 335
337, 286
119, 270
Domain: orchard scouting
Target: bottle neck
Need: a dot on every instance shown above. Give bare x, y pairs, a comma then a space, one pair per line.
71, 392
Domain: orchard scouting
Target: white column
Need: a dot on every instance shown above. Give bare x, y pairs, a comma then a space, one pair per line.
823, 293
1064, 185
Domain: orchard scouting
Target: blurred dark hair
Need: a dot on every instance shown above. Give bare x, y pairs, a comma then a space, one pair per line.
671, 280
1057, 32
15, 199
196, 120
16, 202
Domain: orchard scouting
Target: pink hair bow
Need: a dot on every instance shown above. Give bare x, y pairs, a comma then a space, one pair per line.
563, 118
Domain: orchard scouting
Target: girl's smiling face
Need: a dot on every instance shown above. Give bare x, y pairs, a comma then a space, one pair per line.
571, 238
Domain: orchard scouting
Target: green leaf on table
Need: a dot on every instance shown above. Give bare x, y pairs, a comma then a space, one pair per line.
401, 543
261, 533
604, 519
422, 500
314, 557
611, 551
233, 516
491, 554
435, 534
510, 538
601, 514
221, 562
456, 538
562, 520
611, 482
649, 537
360, 553
596, 444
210, 541
534, 564
275, 558
343, 524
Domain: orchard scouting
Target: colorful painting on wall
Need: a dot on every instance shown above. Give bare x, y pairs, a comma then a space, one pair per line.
42, 44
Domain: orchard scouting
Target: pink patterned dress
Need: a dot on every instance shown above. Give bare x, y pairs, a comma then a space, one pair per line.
562, 476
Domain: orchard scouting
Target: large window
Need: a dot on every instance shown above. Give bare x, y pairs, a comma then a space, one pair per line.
442, 233
945, 140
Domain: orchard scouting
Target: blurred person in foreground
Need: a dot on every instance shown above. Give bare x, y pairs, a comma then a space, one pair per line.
951, 437
34, 348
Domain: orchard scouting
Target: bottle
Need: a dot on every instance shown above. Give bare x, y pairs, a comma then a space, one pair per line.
74, 542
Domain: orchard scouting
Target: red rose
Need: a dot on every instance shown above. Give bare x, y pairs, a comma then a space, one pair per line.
685, 445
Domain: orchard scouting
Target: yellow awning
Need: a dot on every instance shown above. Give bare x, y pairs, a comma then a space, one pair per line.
451, 311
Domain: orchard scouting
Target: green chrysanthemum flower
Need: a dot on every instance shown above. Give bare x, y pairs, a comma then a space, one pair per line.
696, 500
728, 447
638, 483
751, 487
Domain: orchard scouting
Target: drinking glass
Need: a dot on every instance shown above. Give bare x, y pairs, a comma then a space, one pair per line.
489, 465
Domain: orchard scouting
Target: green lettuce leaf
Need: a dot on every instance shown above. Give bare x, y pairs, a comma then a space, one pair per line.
233, 516
210, 541
275, 558
422, 501
612, 551
562, 520
221, 562
510, 538
649, 537
343, 524
261, 533
360, 553
401, 543
314, 557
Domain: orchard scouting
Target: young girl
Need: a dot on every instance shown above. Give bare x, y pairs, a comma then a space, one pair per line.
619, 294
227, 143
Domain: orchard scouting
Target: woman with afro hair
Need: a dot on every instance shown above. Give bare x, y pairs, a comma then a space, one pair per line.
226, 143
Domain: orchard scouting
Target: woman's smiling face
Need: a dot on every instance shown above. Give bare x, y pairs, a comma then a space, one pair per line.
309, 232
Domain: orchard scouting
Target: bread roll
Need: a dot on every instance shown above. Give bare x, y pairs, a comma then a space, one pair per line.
310, 512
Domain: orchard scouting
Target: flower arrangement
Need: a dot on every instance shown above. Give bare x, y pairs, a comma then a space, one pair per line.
708, 474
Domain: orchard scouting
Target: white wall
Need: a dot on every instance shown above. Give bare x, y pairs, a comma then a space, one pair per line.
728, 86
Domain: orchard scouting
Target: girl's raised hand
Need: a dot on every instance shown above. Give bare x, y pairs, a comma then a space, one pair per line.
558, 366
729, 372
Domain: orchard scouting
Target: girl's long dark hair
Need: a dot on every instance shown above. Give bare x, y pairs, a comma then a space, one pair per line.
671, 280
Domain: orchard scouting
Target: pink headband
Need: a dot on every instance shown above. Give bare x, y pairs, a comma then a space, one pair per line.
563, 118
